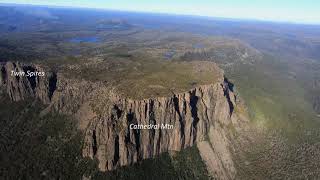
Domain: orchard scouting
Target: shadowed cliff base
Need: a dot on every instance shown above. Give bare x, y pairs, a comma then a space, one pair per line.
108, 138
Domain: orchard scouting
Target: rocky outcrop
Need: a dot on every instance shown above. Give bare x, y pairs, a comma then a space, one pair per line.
188, 118
20, 86
110, 139
198, 117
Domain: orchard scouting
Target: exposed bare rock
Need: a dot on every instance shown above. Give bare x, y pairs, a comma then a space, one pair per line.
20, 87
198, 116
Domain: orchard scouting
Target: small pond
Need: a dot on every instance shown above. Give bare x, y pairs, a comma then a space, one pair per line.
92, 39
169, 54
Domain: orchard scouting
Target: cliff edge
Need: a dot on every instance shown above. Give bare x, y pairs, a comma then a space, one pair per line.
120, 131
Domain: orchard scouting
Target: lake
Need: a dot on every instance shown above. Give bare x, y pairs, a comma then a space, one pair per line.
92, 39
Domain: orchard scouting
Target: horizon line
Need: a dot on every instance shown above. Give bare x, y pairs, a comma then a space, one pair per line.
167, 13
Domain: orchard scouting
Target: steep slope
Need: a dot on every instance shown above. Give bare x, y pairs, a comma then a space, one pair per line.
199, 116
20, 87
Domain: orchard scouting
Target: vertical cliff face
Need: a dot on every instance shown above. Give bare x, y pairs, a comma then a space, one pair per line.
20, 86
196, 117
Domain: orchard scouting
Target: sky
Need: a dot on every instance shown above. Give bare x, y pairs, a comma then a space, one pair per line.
294, 11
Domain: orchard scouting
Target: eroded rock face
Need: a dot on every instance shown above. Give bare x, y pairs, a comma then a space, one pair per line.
196, 116
19, 87
110, 139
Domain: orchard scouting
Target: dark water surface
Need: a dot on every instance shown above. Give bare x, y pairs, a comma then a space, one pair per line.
92, 39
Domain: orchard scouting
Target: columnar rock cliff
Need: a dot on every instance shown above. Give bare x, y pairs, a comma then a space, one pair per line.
197, 116
20, 87
110, 139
